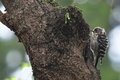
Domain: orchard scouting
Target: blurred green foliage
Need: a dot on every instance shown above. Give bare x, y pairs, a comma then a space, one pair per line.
94, 15
5, 47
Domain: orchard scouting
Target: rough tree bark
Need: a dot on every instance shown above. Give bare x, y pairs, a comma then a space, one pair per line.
56, 39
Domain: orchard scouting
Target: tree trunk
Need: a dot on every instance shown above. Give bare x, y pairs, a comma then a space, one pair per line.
56, 39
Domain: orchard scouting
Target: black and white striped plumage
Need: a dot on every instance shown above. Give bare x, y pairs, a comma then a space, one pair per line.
99, 44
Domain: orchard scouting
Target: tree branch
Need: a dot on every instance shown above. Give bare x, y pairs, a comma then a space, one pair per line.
56, 39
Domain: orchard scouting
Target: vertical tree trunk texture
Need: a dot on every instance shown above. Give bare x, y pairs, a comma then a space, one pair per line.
56, 39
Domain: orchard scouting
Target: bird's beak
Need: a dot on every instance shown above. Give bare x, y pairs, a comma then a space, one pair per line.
91, 30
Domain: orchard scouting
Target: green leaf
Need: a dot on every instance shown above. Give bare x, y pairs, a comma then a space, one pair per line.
67, 17
23, 65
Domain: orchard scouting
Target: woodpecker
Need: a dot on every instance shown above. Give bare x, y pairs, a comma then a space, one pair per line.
98, 44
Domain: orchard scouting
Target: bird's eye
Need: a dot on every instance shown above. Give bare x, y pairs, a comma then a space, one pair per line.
95, 30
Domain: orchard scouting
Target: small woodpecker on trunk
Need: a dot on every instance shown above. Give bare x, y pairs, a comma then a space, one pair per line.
98, 44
